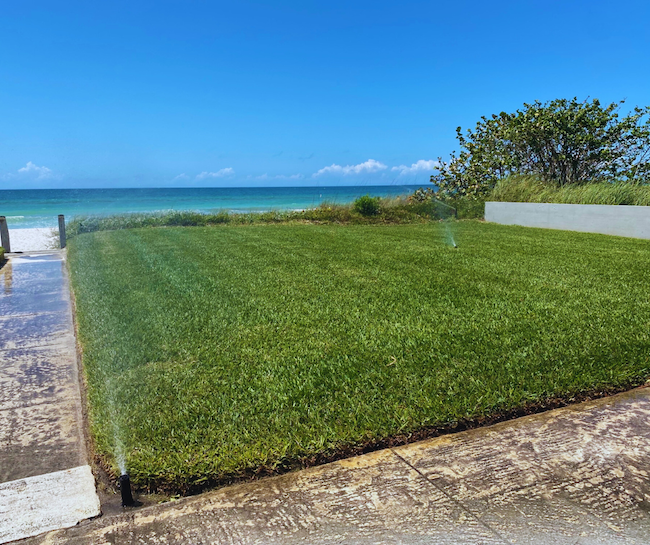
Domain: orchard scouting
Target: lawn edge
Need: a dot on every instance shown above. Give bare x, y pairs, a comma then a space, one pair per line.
108, 480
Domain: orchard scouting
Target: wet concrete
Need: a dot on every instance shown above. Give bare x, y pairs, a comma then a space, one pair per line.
40, 402
45, 483
577, 475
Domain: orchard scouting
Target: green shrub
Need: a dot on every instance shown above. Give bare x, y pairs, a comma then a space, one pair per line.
367, 205
2, 255
563, 142
429, 202
467, 209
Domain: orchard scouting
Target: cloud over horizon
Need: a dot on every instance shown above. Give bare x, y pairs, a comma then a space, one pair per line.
421, 166
223, 173
369, 166
265, 176
31, 172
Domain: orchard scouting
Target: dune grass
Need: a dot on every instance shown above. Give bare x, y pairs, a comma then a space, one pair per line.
215, 352
532, 189
394, 210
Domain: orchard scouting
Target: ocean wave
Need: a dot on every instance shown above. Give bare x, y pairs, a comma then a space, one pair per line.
15, 217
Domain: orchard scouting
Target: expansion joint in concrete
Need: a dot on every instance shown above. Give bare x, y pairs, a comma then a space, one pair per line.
459, 504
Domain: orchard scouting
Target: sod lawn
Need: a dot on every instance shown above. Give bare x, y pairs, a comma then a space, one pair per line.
216, 352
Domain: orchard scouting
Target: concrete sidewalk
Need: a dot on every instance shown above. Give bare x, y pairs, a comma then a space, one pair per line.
41, 434
577, 475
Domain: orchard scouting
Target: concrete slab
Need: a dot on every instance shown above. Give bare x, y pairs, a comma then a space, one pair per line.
46, 483
40, 402
39, 439
563, 473
26, 330
578, 475
41, 279
31, 375
21, 304
34, 505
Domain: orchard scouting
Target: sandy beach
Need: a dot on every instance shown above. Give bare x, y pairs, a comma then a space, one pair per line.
27, 240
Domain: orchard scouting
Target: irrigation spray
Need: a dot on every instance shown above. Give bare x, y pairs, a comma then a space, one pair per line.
119, 449
448, 214
449, 235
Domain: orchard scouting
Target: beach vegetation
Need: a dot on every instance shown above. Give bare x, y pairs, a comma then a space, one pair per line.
397, 210
562, 142
535, 189
367, 205
449, 206
219, 353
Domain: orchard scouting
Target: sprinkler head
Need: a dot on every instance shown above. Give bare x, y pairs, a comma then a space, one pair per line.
125, 490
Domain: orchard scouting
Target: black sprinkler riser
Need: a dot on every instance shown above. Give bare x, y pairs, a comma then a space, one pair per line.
125, 490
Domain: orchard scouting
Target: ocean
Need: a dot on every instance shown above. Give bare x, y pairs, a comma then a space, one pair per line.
39, 208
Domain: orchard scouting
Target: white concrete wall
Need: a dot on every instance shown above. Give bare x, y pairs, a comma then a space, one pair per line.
620, 220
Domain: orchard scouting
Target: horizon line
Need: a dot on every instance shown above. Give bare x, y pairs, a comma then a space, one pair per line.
213, 187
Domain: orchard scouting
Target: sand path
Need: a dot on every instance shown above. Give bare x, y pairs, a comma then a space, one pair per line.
29, 240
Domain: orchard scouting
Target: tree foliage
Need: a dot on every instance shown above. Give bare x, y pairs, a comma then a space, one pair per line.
564, 142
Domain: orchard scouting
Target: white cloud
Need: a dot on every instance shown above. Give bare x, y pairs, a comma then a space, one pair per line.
369, 166
31, 172
181, 177
224, 172
279, 177
416, 168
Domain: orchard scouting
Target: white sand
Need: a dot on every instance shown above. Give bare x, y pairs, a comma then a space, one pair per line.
27, 240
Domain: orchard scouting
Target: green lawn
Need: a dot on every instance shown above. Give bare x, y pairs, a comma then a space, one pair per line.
213, 351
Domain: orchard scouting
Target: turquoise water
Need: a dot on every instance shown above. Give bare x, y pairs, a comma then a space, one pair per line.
40, 207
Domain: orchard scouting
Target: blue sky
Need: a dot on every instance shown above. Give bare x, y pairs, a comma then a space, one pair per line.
123, 94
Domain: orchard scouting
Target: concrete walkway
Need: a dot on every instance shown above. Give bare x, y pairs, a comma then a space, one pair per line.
578, 475
41, 436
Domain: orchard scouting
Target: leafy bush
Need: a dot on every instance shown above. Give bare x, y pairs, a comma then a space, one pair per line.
2, 255
367, 205
468, 208
422, 194
447, 206
563, 142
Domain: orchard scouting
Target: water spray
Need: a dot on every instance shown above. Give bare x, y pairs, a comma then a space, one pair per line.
125, 490
453, 213
451, 241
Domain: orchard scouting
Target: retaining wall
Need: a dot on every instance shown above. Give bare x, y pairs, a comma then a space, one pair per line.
620, 220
